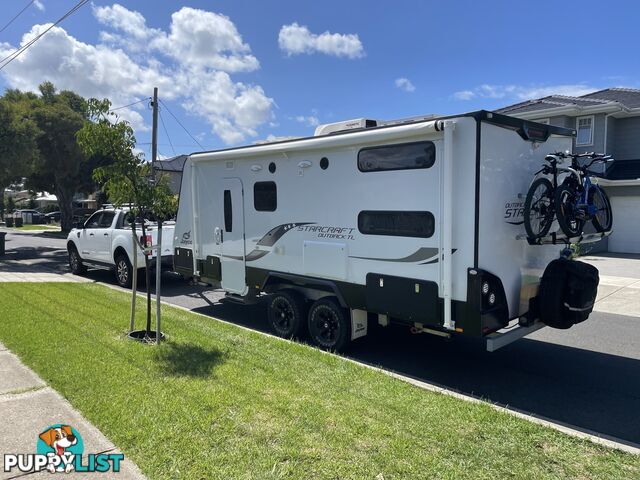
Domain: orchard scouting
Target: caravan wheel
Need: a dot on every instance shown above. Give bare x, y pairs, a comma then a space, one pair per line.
287, 313
329, 325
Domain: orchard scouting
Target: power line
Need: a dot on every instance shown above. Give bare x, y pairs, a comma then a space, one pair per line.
17, 15
166, 132
179, 123
130, 104
12, 56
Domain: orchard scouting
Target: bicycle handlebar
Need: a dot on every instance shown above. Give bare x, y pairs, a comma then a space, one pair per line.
597, 157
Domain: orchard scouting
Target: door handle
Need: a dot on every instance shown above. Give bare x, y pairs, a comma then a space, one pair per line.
106, 234
217, 235
91, 234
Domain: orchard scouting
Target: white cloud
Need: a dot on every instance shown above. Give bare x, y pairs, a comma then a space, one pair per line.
464, 95
190, 64
295, 39
207, 39
135, 33
405, 84
310, 120
523, 92
39, 5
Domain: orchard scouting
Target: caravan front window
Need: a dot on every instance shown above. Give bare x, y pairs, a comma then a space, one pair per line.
401, 156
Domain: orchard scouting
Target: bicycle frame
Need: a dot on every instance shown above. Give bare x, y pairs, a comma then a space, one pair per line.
584, 179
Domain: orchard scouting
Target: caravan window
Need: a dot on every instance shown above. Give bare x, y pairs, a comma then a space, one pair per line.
402, 156
228, 218
265, 196
400, 224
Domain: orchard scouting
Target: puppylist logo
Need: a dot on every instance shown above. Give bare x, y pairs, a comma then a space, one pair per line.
59, 449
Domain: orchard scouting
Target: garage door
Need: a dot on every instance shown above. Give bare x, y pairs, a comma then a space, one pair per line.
625, 237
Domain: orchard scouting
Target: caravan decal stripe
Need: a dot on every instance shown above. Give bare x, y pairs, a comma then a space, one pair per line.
268, 240
436, 258
276, 233
417, 256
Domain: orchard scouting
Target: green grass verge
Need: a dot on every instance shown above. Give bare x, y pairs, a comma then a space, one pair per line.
216, 401
26, 228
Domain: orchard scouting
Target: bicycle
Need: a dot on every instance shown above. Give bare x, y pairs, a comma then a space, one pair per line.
574, 202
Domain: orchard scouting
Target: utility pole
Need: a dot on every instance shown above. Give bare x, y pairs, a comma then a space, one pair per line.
154, 132
154, 159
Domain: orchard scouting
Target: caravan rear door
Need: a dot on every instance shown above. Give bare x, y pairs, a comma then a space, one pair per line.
232, 237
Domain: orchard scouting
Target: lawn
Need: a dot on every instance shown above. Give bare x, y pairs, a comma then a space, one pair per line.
30, 227
216, 401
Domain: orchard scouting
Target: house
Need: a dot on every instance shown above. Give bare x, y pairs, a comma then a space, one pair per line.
606, 121
172, 167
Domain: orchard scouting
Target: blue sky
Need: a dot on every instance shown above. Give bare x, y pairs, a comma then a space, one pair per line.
238, 71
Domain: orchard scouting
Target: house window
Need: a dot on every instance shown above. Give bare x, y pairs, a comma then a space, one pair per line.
404, 156
585, 131
398, 224
265, 196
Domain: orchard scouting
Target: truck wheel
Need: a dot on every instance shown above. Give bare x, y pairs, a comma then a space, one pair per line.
287, 313
329, 325
75, 262
124, 271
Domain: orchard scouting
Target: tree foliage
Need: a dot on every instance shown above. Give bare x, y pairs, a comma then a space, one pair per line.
129, 179
18, 147
54, 161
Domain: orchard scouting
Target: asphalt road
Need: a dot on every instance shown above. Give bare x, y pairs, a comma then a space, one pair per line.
587, 377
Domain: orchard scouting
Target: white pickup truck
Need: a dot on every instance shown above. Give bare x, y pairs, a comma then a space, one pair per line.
104, 241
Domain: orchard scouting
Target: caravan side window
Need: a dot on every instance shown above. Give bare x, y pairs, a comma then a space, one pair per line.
399, 224
402, 156
265, 196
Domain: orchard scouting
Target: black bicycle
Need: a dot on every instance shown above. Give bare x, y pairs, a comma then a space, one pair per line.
573, 202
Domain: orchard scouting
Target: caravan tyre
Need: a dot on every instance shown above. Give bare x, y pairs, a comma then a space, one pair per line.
287, 313
329, 325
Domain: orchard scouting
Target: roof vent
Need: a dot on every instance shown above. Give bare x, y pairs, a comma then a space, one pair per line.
354, 124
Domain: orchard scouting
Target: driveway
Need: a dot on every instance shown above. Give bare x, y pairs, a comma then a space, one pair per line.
587, 377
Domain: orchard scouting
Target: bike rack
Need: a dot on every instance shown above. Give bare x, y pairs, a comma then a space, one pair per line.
555, 238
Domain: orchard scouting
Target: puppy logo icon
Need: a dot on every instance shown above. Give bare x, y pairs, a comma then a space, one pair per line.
62, 441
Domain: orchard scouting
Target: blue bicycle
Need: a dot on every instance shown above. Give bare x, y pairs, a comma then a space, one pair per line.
579, 200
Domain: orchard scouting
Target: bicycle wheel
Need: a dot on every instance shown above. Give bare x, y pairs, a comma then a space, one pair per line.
603, 218
538, 208
567, 211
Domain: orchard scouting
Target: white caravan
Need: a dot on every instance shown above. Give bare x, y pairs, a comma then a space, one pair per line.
418, 222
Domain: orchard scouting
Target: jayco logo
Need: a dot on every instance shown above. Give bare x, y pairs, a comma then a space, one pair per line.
60, 449
186, 238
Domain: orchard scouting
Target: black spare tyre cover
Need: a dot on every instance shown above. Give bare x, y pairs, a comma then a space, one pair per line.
568, 291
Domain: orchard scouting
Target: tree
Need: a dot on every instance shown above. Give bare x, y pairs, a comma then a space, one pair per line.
18, 147
129, 179
58, 164
11, 205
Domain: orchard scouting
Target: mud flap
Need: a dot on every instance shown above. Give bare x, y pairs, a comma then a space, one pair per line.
358, 323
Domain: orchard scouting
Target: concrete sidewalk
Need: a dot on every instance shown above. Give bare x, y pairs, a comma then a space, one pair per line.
619, 289
28, 406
